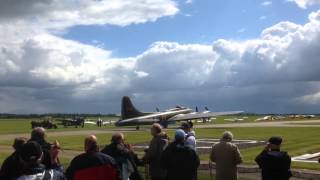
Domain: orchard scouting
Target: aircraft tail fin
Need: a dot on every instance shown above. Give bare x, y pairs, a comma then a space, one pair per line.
128, 110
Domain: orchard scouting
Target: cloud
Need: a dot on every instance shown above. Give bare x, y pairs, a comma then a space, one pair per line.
266, 3
262, 17
242, 30
305, 3
61, 14
276, 72
189, 1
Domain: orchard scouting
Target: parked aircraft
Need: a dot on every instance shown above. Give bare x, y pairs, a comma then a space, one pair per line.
234, 119
99, 122
271, 118
130, 116
75, 121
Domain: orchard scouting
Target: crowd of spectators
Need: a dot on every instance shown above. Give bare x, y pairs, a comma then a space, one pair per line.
164, 159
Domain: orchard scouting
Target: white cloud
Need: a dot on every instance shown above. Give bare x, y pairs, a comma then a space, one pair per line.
305, 3
189, 1
266, 3
262, 17
62, 14
310, 99
242, 30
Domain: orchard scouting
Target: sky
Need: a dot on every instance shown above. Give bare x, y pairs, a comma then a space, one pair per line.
82, 56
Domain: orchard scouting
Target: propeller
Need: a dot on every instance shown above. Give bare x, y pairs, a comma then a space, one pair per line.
157, 109
197, 110
206, 108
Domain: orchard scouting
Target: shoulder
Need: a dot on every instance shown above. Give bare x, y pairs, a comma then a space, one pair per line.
79, 158
106, 159
285, 154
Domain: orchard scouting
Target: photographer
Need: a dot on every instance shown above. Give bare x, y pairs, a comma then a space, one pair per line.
274, 163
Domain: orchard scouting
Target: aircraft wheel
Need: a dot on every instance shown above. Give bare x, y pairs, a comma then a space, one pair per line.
137, 128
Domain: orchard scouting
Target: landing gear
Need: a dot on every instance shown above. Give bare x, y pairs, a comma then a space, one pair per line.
137, 128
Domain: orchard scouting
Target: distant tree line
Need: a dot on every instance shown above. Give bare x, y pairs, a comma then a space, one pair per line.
53, 115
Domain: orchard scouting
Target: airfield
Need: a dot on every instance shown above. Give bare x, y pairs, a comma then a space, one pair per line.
301, 137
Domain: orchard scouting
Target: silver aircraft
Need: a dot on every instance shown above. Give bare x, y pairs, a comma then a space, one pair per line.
130, 116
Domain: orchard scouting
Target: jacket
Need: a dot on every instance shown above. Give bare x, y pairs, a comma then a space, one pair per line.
126, 160
93, 166
153, 155
275, 165
11, 167
181, 162
226, 156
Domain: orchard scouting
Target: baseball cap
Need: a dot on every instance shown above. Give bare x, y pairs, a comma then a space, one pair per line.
275, 140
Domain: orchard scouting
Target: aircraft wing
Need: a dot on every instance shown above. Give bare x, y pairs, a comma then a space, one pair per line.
107, 122
90, 122
191, 116
154, 117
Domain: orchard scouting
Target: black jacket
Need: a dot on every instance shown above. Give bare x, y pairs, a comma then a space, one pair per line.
121, 154
11, 167
45, 146
180, 161
275, 165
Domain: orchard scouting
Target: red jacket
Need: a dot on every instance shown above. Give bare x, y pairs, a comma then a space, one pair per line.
93, 166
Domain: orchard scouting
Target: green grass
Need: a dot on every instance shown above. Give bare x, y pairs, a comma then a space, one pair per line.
24, 125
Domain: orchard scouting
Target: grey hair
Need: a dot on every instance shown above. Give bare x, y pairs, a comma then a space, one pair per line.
227, 136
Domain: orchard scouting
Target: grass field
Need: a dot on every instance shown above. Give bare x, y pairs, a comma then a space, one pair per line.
24, 125
297, 141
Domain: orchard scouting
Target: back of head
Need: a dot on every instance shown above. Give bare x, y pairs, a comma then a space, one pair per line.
38, 134
180, 136
156, 129
227, 136
91, 144
185, 126
19, 142
117, 138
31, 152
275, 142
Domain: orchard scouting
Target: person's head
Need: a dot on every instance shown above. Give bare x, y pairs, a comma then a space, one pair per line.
31, 152
54, 149
179, 136
156, 129
91, 144
117, 138
227, 136
38, 133
18, 142
274, 143
185, 127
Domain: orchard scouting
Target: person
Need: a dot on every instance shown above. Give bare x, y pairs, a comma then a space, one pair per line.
153, 154
227, 156
12, 166
180, 161
274, 163
125, 157
92, 164
38, 135
31, 155
55, 168
190, 135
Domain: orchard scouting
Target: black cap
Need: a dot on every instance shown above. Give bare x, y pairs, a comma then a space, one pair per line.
275, 140
184, 125
30, 151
